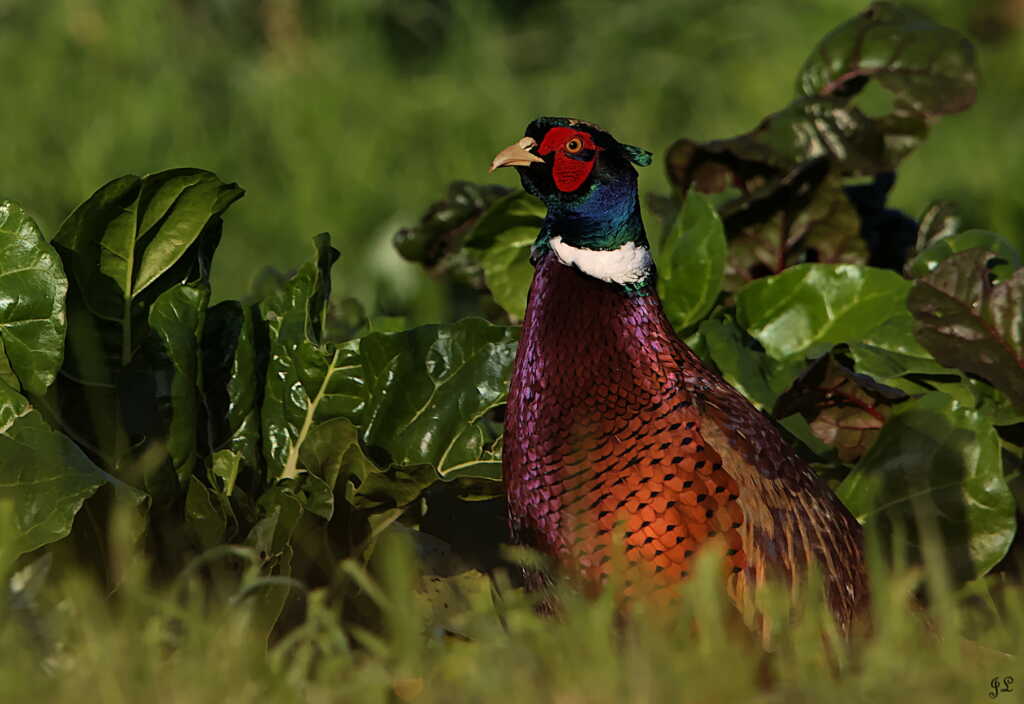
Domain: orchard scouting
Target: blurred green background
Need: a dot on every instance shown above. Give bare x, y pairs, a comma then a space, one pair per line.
351, 116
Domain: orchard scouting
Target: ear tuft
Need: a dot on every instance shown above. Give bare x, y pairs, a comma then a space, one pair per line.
640, 157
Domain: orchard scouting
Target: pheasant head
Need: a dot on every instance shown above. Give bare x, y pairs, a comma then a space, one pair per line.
588, 182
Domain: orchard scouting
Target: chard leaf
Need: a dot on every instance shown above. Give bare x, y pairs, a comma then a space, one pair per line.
308, 379
890, 350
969, 323
176, 319
744, 364
501, 240
203, 517
32, 292
429, 390
936, 459
133, 230
234, 355
845, 410
42, 472
692, 263
927, 67
508, 271
818, 304
134, 334
929, 259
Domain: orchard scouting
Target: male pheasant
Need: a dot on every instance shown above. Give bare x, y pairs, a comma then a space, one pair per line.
615, 429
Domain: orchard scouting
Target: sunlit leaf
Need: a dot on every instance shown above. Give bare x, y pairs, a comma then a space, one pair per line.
814, 304
32, 291
692, 262
43, 472
429, 390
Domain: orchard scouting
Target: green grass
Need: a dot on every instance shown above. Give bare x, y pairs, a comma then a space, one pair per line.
351, 117
185, 643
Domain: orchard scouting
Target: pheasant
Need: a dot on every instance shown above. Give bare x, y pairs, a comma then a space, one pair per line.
623, 452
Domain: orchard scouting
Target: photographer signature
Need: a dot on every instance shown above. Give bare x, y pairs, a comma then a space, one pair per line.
1000, 685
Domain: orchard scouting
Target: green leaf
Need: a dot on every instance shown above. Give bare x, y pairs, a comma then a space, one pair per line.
132, 230
429, 389
123, 248
508, 271
501, 240
756, 375
44, 473
891, 354
176, 319
926, 66
234, 358
936, 457
516, 209
307, 380
890, 350
940, 250
968, 323
442, 229
32, 291
203, 517
332, 452
271, 537
692, 263
817, 304
226, 464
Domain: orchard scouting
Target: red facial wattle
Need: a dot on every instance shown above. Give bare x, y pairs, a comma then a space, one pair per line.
568, 171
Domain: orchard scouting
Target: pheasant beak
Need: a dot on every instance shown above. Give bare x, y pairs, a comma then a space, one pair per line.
516, 155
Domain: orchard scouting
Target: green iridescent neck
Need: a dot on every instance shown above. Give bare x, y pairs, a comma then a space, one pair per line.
604, 221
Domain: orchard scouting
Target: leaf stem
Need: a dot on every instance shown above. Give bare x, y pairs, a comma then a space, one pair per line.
291, 466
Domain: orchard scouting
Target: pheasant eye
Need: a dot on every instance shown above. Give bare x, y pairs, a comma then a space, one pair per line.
574, 145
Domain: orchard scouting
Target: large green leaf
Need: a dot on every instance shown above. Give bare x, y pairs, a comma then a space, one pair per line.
204, 517
234, 357
928, 67
420, 397
515, 209
890, 350
132, 230
129, 244
308, 379
816, 304
938, 459
692, 263
501, 240
757, 376
44, 473
428, 392
176, 319
32, 291
333, 453
969, 323
507, 269
891, 354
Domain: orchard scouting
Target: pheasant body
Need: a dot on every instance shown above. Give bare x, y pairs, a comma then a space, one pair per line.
616, 431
